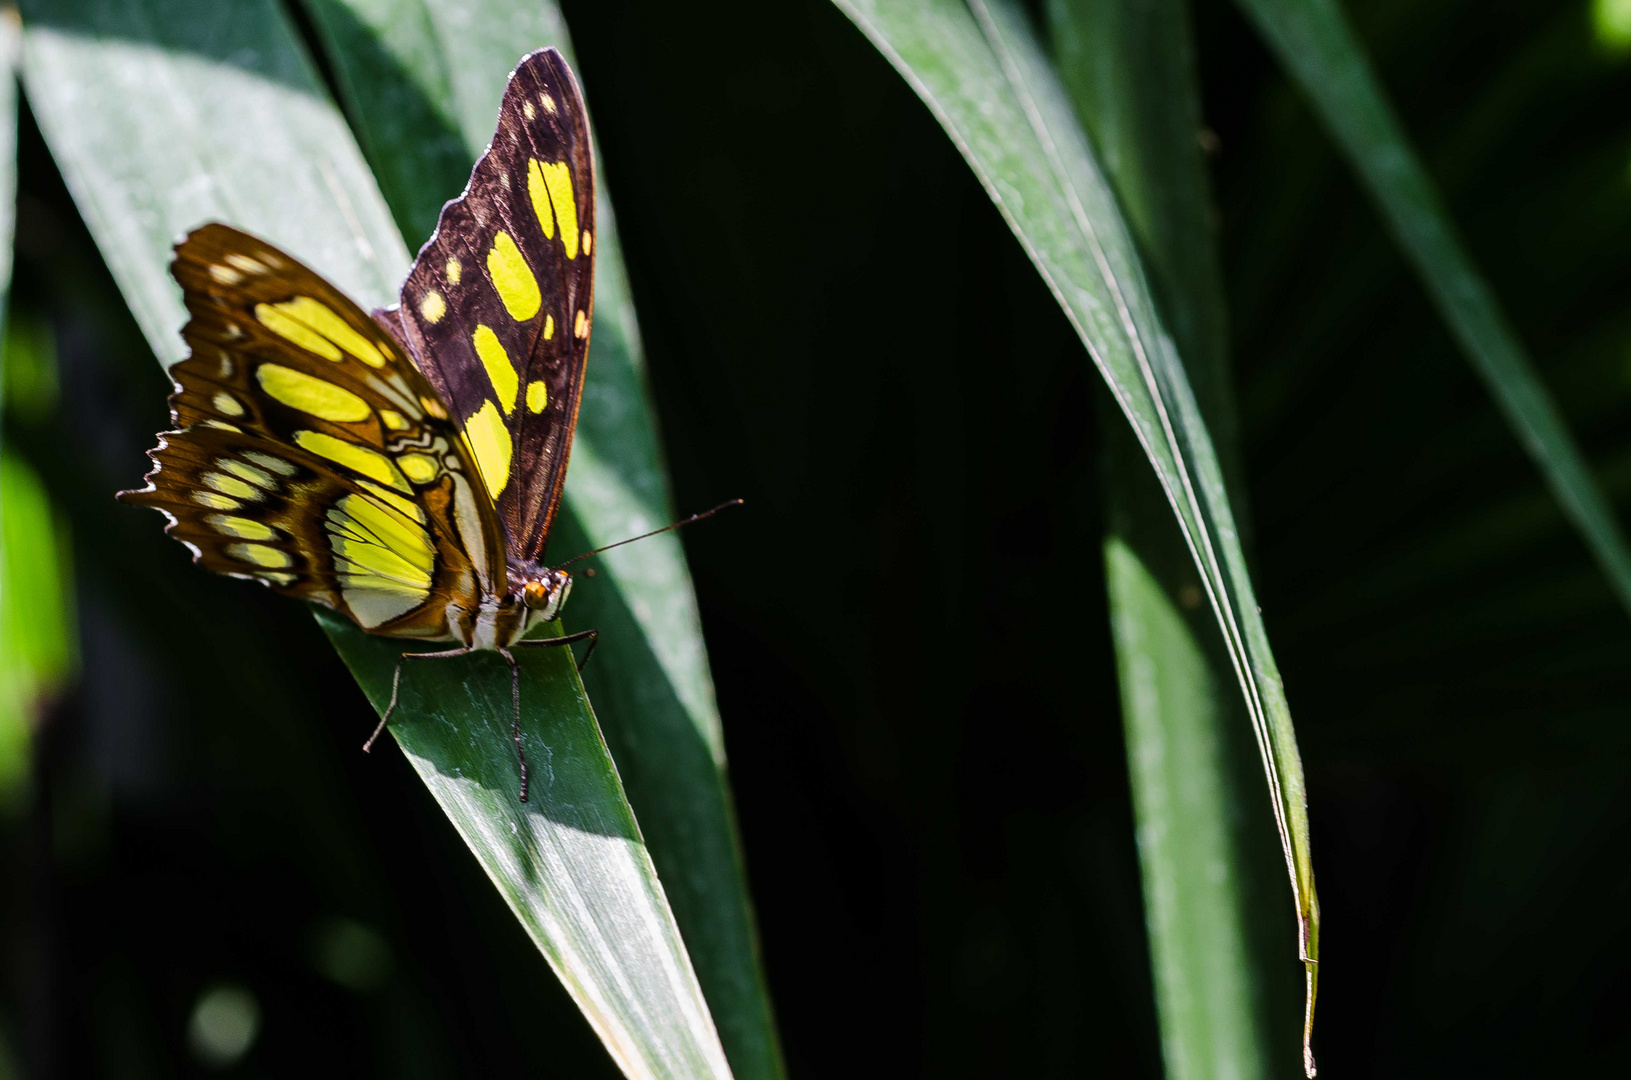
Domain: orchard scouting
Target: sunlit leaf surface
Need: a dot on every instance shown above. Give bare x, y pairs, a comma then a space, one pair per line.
421, 82
1129, 69
165, 115
979, 69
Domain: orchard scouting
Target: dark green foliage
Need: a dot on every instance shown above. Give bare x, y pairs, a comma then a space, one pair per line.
1457, 661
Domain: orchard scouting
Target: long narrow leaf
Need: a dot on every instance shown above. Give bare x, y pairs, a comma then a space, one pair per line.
165, 115
1130, 71
980, 71
421, 81
1317, 46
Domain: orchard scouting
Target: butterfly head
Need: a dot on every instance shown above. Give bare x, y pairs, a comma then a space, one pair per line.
544, 593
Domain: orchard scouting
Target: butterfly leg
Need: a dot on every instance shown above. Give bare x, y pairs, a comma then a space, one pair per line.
591, 636
396, 684
515, 685
515, 729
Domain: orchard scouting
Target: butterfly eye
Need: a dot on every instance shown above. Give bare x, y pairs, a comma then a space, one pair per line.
535, 593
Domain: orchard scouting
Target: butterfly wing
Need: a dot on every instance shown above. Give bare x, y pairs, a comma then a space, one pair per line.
497, 309
311, 455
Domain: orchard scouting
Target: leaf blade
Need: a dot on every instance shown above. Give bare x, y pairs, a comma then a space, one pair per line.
568, 861
160, 117
1130, 71
405, 69
982, 75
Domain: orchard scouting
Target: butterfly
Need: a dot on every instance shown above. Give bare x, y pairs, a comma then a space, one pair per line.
402, 468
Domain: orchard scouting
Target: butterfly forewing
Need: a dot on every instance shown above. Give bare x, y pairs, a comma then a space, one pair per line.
497, 308
312, 455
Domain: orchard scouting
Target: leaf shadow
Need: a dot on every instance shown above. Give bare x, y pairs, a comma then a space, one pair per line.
218, 33
406, 129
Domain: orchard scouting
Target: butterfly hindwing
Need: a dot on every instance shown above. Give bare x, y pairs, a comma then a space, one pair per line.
254, 509
311, 454
497, 308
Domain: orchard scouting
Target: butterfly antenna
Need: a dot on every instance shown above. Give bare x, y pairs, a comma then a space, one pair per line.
654, 532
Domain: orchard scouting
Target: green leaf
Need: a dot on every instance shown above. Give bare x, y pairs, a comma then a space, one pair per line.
980, 71
421, 82
1317, 46
1130, 70
570, 862
165, 115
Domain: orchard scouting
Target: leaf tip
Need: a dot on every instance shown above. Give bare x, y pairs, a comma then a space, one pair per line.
1308, 1022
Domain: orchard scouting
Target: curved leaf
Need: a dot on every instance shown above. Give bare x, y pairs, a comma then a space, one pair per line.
1315, 43
161, 116
1130, 70
421, 82
980, 71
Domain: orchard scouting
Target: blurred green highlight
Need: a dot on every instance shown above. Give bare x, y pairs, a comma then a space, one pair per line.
36, 650
1611, 23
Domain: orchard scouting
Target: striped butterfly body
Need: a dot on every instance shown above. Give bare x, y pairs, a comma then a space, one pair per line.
402, 468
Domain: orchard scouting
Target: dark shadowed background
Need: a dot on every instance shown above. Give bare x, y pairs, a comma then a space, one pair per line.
907, 622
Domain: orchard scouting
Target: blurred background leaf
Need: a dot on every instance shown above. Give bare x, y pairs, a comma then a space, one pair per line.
1312, 39
36, 624
35, 638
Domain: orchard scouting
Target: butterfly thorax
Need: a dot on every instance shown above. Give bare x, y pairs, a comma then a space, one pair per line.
536, 595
